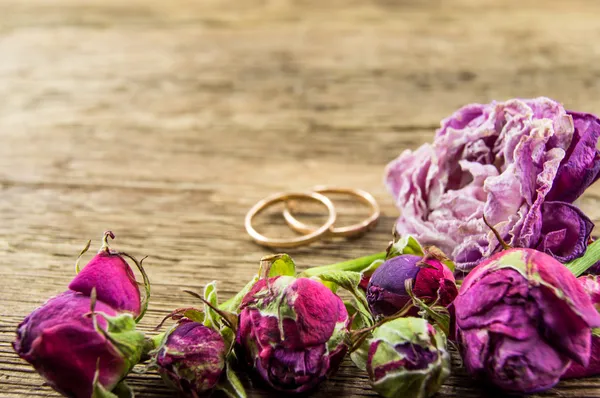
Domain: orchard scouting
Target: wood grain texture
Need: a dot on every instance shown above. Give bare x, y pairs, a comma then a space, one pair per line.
166, 120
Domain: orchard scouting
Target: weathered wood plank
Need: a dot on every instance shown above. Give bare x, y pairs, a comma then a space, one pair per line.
166, 121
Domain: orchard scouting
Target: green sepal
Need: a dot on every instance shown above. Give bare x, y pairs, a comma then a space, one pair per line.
233, 304
406, 244
122, 333
211, 318
121, 390
215, 317
277, 265
349, 281
439, 315
596, 332
360, 355
231, 385
194, 315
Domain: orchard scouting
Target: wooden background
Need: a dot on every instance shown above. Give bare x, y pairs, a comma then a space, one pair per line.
166, 120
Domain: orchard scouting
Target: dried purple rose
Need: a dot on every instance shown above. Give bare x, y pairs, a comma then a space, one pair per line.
431, 280
407, 357
519, 163
522, 317
292, 332
61, 342
591, 284
191, 358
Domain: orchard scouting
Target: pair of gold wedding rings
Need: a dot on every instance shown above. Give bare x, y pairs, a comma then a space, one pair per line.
312, 234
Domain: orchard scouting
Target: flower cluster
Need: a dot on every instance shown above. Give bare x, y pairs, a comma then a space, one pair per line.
491, 201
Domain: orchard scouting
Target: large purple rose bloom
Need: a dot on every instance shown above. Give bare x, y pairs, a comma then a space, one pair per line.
519, 163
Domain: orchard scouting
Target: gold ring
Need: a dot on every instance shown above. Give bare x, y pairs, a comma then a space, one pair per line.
311, 236
350, 230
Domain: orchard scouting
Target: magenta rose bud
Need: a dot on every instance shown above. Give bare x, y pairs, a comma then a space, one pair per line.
60, 341
113, 279
191, 358
432, 282
591, 284
292, 332
522, 317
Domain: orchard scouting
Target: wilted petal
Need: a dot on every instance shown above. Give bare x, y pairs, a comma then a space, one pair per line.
113, 280
581, 166
565, 231
527, 365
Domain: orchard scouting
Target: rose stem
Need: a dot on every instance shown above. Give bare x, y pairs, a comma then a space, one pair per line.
591, 257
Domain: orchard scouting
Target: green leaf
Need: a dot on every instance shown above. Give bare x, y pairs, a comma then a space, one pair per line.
231, 384
360, 355
591, 257
277, 265
407, 244
374, 265
355, 265
233, 304
349, 281
228, 335
211, 318
331, 286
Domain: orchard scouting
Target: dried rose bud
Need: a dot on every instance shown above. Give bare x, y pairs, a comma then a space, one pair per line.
60, 341
521, 317
431, 280
113, 279
591, 284
407, 358
191, 358
292, 332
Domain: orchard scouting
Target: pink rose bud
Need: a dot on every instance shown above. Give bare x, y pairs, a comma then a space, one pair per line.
113, 279
60, 341
432, 282
292, 332
591, 284
191, 358
522, 317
